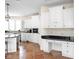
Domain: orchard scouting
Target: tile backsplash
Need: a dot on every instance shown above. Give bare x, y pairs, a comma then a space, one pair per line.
58, 31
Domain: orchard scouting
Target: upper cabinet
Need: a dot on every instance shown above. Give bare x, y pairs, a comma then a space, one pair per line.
51, 17
68, 15
44, 17
35, 21
27, 22
61, 16
57, 16
31, 22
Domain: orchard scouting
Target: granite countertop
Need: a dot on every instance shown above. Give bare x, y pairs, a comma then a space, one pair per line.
60, 38
10, 35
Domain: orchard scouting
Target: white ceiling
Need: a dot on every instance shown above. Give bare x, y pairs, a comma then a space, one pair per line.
28, 7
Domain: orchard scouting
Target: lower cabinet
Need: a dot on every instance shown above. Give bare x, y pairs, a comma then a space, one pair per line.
68, 49
35, 37
58, 45
44, 45
48, 45
54, 45
12, 46
25, 36
32, 37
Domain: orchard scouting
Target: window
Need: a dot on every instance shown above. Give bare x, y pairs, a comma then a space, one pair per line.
13, 24
6, 25
18, 24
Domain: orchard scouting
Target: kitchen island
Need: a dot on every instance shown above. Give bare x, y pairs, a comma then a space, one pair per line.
10, 42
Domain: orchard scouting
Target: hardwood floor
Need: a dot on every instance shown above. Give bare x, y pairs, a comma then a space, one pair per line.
12, 55
30, 50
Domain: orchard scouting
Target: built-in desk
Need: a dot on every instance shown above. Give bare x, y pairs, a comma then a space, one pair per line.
60, 43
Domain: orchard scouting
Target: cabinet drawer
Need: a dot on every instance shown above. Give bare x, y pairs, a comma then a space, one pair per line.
68, 49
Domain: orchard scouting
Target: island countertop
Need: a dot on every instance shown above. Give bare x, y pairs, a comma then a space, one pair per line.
10, 35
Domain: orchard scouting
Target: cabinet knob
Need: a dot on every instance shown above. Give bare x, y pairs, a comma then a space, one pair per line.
67, 42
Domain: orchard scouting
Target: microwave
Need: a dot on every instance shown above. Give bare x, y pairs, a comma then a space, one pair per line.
35, 30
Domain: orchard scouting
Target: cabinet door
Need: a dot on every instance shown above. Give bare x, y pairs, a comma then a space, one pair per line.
50, 45
58, 45
27, 36
68, 49
71, 49
35, 21
68, 17
44, 19
23, 36
44, 45
27, 23
12, 45
56, 17
35, 38
64, 49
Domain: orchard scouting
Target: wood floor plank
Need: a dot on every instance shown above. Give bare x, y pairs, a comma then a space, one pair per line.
30, 50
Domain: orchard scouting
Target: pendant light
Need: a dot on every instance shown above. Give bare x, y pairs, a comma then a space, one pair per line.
7, 17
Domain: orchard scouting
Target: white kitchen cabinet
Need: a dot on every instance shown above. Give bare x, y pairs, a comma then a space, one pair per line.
12, 45
53, 18
56, 45
27, 23
68, 49
56, 17
23, 36
31, 22
48, 45
26, 36
68, 15
44, 19
44, 45
35, 37
32, 37
35, 21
